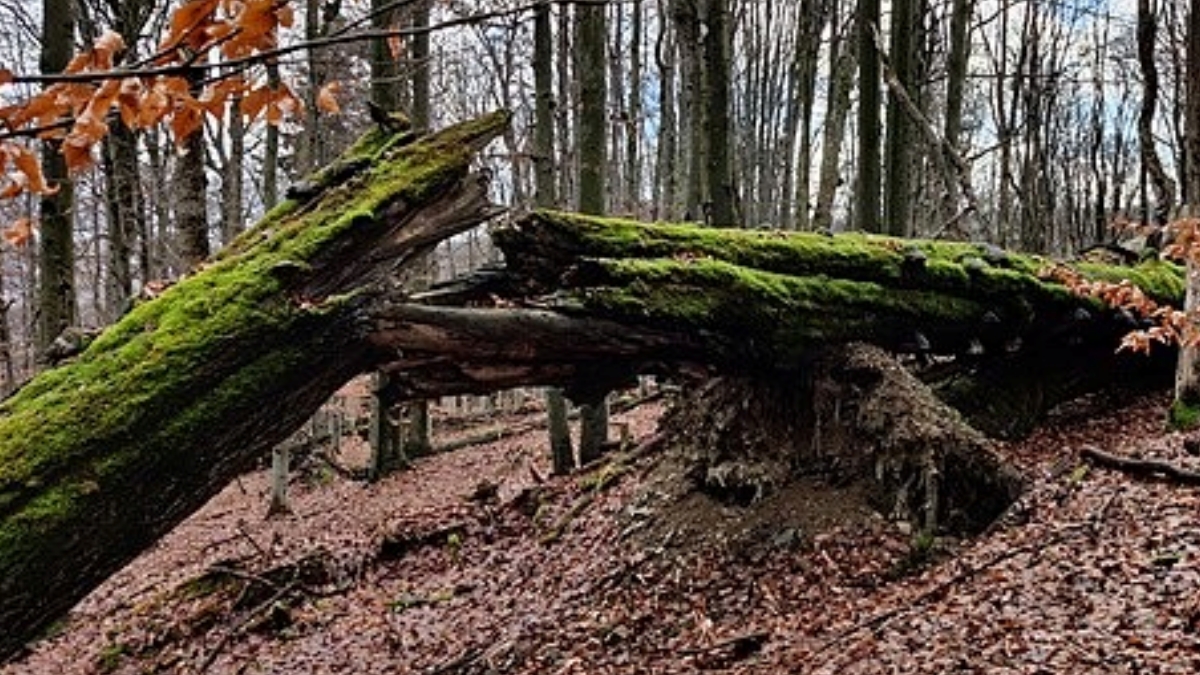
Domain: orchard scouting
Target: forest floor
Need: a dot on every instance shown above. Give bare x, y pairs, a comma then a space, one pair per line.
474, 562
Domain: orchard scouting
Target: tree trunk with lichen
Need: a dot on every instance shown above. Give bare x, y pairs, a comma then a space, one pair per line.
102, 455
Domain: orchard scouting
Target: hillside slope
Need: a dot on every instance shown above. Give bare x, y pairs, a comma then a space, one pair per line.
470, 563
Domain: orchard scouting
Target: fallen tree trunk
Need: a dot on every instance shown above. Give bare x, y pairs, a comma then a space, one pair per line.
101, 456
795, 292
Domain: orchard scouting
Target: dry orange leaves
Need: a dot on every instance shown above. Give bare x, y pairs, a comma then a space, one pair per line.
172, 89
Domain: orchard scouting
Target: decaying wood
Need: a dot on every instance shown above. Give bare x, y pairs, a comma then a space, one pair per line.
102, 455
857, 417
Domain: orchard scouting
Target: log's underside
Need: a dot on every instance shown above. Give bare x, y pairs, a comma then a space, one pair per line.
101, 456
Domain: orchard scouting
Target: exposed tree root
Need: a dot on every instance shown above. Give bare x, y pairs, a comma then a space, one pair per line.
1152, 468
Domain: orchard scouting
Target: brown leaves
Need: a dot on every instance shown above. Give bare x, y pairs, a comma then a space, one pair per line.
237, 28
77, 111
1170, 325
327, 98
275, 102
191, 27
19, 233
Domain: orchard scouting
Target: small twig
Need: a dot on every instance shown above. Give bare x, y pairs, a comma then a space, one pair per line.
242, 623
1153, 468
243, 575
246, 535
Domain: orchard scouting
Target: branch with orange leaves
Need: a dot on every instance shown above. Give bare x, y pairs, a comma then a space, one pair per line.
1168, 325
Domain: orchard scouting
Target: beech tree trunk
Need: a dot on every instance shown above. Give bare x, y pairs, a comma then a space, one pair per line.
591, 132
1185, 410
56, 251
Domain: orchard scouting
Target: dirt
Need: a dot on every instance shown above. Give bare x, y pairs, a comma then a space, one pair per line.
425, 572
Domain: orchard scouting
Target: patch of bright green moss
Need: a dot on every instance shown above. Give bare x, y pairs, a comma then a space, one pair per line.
1162, 280
795, 312
1183, 416
76, 424
956, 268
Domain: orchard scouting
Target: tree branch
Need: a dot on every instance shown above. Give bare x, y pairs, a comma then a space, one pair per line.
1153, 468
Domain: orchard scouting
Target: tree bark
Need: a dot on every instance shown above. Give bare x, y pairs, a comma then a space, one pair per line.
106, 453
866, 193
562, 453
721, 203
56, 254
191, 196
901, 132
1164, 187
1185, 410
797, 292
841, 83
592, 127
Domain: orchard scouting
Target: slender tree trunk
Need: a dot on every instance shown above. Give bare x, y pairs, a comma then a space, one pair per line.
567, 189
1164, 187
414, 439
668, 138
562, 455
633, 125
191, 196
813, 15
901, 136
867, 205
956, 78
385, 436
687, 27
56, 255
385, 66
309, 142
421, 106
1185, 412
121, 201
841, 83
722, 194
233, 182
590, 41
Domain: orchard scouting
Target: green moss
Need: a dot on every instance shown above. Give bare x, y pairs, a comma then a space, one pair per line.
1160, 279
170, 358
1183, 416
794, 313
110, 657
953, 268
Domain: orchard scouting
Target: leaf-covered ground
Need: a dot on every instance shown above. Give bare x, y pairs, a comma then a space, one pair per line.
474, 562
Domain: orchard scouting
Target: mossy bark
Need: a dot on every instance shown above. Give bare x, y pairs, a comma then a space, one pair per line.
768, 299
101, 456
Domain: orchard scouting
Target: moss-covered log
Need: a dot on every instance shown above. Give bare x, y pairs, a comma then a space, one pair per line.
766, 301
102, 455
769, 298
